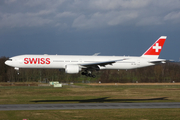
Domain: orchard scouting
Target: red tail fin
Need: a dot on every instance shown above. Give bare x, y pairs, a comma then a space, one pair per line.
155, 49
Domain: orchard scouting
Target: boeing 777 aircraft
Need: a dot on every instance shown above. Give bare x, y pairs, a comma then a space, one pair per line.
75, 63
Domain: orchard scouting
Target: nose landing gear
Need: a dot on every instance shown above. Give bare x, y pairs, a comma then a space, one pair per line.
17, 69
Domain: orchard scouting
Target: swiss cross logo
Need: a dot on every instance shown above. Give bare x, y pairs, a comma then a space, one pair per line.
157, 47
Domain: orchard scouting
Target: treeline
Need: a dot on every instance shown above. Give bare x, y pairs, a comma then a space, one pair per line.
168, 72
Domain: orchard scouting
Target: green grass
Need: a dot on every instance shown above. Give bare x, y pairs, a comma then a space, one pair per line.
101, 114
84, 93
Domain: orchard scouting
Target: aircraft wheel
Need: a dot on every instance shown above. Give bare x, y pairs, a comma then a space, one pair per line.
93, 76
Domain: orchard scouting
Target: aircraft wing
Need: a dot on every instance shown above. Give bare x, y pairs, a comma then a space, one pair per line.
95, 65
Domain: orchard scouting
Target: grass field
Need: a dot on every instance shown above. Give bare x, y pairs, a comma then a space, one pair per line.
91, 93
109, 114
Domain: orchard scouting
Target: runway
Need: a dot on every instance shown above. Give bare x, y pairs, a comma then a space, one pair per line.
88, 106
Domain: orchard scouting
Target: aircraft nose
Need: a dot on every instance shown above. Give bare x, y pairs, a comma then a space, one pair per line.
8, 62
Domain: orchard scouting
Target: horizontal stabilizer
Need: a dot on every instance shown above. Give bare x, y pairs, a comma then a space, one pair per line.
157, 61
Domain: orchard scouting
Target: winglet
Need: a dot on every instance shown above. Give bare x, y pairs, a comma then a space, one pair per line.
155, 50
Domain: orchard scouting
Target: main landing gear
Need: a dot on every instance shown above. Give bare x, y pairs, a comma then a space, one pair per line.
88, 74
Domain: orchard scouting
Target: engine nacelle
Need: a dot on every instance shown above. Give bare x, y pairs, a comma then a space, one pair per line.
72, 69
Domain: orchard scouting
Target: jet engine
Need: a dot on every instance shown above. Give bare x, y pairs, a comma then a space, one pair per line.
72, 69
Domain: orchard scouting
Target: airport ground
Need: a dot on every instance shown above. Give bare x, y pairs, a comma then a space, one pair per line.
31, 93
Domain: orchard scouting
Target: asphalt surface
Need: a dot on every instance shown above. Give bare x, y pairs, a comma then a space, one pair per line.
88, 106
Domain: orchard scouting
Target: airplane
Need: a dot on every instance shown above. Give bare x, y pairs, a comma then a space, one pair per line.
87, 64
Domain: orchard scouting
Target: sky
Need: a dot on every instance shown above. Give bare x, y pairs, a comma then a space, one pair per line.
86, 27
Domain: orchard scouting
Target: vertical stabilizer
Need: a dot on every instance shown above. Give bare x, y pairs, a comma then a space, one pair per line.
155, 50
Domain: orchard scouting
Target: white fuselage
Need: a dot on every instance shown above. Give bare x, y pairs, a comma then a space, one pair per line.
60, 61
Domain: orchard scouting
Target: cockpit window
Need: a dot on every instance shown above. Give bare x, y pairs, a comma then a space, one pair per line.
10, 60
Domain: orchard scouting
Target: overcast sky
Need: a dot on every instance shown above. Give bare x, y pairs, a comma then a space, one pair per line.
85, 27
